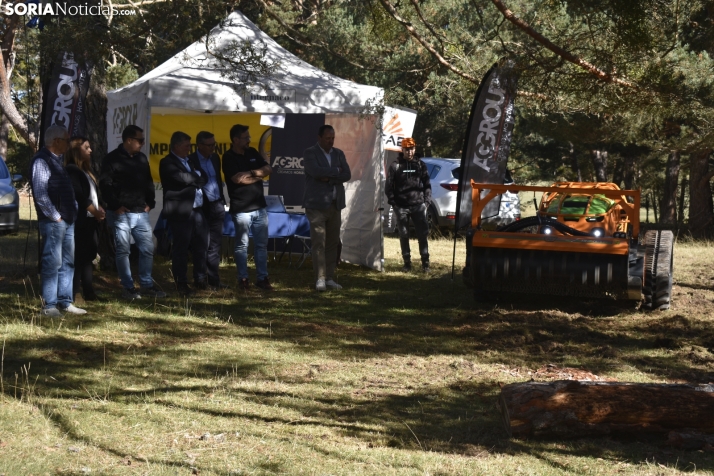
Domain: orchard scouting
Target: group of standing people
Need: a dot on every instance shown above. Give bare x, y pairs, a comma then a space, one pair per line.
71, 202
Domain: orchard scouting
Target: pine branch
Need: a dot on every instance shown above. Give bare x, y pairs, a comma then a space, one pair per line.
589, 67
415, 34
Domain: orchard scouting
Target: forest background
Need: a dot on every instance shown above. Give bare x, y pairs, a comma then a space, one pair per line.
609, 90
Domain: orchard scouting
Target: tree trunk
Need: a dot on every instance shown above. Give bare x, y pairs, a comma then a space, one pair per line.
574, 163
701, 213
668, 208
4, 133
682, 195
618, 172
572, 408
628, 174
7, 62
600, 165
654, 196
97, 135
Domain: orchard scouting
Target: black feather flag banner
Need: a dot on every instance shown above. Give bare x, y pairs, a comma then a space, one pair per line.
488, 139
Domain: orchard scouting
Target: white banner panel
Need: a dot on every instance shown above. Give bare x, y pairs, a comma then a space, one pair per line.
398, 123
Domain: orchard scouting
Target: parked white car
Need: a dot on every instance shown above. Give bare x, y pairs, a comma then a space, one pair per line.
444, 176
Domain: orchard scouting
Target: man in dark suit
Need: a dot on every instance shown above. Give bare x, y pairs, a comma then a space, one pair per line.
326, 170
206, 160
183, 208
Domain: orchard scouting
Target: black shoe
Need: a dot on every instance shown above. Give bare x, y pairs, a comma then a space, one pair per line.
184, 290
425, 268
152, 292
264, 284
218, 287
93, 297
407, 268
244, 284
130, 294
200, 285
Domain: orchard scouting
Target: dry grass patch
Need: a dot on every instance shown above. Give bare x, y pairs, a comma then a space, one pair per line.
396, 374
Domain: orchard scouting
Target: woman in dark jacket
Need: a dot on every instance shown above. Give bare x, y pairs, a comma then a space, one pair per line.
78, 165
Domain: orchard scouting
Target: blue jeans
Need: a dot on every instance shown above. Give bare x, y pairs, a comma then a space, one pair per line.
135, 225
57, 263
258, 221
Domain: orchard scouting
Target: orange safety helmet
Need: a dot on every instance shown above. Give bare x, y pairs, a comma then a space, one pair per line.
408, 142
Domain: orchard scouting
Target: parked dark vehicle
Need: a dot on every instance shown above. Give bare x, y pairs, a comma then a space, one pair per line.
9, 201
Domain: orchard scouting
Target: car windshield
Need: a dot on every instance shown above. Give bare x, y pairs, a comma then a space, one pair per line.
4, 172
600, 205
574, 205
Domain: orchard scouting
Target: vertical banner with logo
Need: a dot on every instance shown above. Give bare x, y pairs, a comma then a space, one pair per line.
288, 144
65, 100
128, 108
488, 140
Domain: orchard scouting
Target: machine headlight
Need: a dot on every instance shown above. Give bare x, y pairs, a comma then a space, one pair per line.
597, 232
547, 230
7, 199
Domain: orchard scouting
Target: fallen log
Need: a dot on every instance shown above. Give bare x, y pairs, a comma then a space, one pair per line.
690, 440
572, 408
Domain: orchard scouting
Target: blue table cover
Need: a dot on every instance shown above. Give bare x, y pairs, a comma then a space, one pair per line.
280, 225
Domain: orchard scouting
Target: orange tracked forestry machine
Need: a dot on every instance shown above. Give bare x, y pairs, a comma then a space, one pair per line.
583, 241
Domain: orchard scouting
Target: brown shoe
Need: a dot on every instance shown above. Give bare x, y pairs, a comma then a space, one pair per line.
244, 284
264, 284
78, 299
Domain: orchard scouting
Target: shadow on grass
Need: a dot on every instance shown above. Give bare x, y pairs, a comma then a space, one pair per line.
375, 316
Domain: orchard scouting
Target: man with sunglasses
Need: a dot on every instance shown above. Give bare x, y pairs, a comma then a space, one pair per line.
206, 159
127, 187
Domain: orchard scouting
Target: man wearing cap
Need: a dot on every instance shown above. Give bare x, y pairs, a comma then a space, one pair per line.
409, 193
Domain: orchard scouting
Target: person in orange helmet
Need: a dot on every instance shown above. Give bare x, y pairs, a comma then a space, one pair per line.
409, 193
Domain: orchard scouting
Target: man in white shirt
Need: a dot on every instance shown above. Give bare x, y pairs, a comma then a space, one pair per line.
183, 208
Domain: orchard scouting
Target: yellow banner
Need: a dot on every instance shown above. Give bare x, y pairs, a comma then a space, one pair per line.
163, 126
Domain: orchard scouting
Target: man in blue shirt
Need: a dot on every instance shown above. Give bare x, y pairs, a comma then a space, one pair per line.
183, 209
206, 160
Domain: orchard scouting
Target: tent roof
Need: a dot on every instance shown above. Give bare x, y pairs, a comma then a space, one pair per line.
193, 80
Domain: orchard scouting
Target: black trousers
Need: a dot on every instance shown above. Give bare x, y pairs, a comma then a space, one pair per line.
421, 226
215, 214
86, 242
189, 235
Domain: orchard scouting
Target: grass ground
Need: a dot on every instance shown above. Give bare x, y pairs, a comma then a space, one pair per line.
395, 374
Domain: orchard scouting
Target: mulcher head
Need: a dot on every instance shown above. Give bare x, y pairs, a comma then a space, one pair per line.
583, 241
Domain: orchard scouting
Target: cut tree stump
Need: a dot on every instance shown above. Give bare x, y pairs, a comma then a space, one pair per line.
572, 408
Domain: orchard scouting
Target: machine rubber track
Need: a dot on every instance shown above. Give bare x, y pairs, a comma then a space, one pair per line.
548, 272
659, 267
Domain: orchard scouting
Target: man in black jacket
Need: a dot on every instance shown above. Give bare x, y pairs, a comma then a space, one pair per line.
244, 169
408, 190
126, 185
183, 208
206, 160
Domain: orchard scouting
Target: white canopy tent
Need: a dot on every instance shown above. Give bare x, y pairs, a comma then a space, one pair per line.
193, 82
